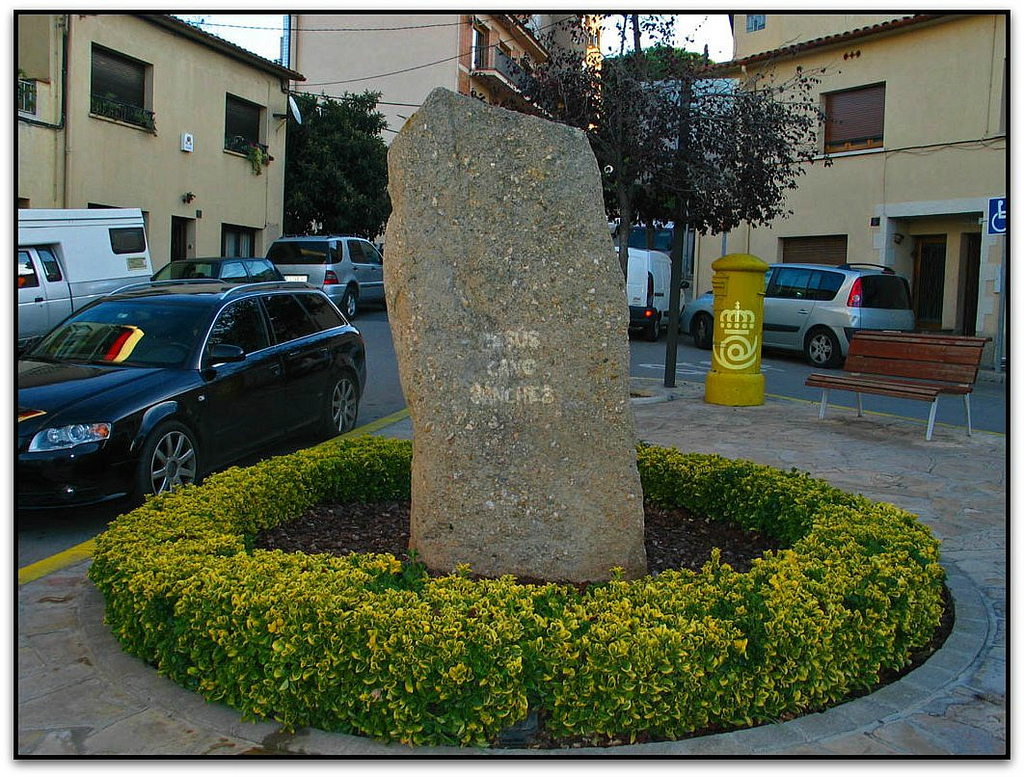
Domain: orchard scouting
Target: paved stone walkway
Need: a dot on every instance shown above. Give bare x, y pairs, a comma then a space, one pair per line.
79, 694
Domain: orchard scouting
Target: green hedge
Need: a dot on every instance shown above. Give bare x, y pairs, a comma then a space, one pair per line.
363, 645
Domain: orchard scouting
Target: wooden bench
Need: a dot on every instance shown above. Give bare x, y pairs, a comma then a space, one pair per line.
908, 366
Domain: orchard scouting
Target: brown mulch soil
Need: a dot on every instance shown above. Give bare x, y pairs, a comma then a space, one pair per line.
674, 539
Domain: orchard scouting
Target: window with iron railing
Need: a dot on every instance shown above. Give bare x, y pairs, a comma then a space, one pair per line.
118, 88
241, 125
27, 95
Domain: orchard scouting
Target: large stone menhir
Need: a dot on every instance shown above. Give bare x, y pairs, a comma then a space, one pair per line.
509, 317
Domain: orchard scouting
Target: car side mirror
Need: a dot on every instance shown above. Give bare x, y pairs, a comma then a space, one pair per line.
222, 353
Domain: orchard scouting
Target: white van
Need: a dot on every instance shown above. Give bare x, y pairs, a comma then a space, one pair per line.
67, 258
648, 281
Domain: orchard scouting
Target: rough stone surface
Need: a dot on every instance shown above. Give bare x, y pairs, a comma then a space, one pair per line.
509, 317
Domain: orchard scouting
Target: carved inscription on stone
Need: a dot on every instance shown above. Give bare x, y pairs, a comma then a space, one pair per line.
512, 372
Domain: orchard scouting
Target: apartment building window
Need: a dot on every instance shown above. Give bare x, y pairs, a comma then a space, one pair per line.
816, 249
755, 22
118, 88
854, 118
241, 124
27, 96
237, 241
478, 58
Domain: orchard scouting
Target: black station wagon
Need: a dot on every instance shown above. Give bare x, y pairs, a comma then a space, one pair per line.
154, 386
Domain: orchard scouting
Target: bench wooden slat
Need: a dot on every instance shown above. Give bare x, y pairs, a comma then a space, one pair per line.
910, 368
907, 365
874, 387
857, 379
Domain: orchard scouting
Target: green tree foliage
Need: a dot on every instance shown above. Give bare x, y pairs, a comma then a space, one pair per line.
336, 170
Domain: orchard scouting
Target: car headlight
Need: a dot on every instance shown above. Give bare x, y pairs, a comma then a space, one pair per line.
69, 436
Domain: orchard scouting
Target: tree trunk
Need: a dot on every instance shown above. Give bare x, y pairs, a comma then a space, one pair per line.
622, 192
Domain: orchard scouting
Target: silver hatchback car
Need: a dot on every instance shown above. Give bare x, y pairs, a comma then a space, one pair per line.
816, 308
348, 269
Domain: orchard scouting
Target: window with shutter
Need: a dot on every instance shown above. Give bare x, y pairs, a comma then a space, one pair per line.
241, 124
819, 249
855, 119
118, 88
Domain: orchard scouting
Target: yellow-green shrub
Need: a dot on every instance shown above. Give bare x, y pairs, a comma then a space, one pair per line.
359, 645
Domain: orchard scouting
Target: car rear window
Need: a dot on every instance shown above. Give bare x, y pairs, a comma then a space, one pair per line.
301, 252
888, 292
263, 270
322, 311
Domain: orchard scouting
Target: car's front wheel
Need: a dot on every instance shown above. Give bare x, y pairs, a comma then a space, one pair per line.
170, 458
822, 348
700, 327
342, 406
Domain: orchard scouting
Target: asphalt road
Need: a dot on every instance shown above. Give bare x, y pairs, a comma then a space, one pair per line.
44, 533
784, 375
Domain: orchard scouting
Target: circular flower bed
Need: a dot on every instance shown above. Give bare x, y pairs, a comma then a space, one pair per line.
365, 644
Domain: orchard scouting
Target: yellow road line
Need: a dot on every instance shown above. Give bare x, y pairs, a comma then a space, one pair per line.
83, 551
379, 424
56, 562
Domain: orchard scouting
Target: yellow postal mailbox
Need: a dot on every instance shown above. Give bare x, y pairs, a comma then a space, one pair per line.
736, 378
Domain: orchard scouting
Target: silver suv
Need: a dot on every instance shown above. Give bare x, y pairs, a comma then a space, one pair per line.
816, 308
349, 269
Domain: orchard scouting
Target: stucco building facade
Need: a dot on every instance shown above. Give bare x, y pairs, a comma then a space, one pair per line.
145, 111
405, 56
916, 133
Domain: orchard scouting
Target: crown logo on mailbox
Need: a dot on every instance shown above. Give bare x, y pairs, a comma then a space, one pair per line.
736, 321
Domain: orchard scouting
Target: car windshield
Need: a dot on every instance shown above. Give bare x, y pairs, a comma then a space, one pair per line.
176, 271
300, 252
135, 333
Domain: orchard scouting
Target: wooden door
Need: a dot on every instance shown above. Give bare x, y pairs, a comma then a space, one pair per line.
929, 280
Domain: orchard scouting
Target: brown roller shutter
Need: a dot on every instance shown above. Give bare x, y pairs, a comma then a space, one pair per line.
855, 119
820, 249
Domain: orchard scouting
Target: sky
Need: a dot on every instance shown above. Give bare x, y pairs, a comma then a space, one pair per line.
261, 33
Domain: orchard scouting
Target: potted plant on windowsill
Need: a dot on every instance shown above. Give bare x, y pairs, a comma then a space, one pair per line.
258, 157
257, 153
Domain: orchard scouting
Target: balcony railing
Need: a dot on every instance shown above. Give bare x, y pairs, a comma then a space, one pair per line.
242, 145
27, 95
122, 111
508, 67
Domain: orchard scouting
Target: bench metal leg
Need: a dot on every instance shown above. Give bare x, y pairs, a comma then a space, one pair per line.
931, 418
967, 407
824, 403
860, 406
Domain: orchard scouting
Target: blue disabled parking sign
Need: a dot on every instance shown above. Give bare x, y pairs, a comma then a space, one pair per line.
997, 216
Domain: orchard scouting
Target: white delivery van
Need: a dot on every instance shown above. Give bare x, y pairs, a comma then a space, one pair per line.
648, 282
67, 258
